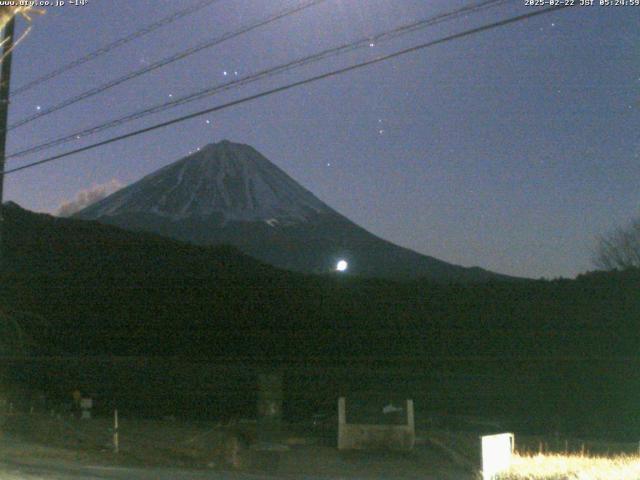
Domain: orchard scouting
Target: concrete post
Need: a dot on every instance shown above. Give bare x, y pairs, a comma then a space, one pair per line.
342, 411
116, 434
410, 418
342, 421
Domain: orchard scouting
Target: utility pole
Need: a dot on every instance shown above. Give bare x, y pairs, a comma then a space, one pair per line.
5, 81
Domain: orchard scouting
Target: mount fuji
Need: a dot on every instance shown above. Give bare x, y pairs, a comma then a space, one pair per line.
228, 193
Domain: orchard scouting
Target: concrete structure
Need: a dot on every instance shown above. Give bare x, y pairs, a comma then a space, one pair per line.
354, 436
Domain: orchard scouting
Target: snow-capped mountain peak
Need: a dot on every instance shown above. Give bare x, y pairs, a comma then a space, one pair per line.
229, 180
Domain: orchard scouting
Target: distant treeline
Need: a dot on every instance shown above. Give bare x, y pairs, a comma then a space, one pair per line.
104, 291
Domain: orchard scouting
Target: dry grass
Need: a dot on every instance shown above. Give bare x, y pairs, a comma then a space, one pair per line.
573, 467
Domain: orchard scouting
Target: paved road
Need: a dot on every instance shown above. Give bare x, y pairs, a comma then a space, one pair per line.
58, 470
23, 461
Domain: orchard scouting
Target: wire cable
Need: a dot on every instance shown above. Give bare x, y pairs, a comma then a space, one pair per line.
267, 73
289, 86
165, 61
112, 46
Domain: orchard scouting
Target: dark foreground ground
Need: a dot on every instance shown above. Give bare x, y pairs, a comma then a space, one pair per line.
41, 447
53, 447
34, 462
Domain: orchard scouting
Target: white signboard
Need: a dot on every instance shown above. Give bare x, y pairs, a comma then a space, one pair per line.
496, 454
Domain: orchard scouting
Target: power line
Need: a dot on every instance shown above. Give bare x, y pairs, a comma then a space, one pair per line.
289, 86
112, 46
165, 61
267, 73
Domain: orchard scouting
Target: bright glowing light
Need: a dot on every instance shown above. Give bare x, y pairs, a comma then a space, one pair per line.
497, 452
342, 266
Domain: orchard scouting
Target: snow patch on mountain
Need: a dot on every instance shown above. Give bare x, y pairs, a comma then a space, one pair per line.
229, 180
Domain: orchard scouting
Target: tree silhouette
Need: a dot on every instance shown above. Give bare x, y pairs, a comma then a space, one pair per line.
619, 249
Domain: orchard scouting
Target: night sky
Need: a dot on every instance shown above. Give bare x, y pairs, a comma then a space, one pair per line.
511, 149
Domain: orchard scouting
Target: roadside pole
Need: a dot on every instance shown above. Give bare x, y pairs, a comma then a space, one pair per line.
116, 439
5, 84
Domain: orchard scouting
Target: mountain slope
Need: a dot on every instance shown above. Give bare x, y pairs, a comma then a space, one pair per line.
229, 193
229, 182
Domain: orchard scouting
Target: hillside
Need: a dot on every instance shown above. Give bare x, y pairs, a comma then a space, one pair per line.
93, 278
494, 347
